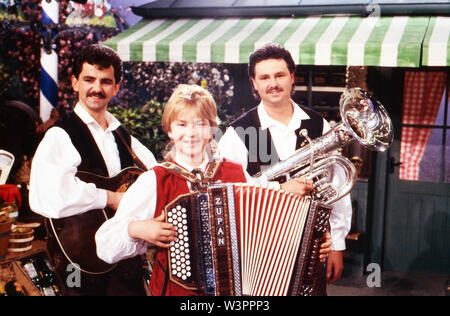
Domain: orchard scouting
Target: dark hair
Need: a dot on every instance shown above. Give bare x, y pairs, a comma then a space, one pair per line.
99, 55
270, 51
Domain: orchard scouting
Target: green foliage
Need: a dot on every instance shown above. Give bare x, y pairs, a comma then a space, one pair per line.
144, 123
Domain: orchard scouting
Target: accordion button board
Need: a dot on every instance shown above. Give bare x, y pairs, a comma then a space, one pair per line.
180, 262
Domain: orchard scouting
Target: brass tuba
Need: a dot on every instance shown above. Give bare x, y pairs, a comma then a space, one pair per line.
365, 120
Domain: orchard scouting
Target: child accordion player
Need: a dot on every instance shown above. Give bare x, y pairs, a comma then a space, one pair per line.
190, 120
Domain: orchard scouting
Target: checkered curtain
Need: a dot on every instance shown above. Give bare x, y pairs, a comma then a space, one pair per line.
421, 100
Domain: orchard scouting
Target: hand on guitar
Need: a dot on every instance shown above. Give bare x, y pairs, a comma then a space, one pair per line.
298, 186
113, 199
155, 231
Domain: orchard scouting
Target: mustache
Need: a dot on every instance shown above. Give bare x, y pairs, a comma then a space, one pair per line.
276, 89
97, 94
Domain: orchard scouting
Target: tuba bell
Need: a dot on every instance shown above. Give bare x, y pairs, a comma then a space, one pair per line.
365, 120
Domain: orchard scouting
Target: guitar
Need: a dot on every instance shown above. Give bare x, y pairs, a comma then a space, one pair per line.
75, 235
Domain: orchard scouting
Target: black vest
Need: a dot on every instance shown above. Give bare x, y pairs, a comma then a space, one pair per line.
126, 278
91, 157
262, 152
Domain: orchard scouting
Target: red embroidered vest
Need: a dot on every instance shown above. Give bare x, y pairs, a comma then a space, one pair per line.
169, 186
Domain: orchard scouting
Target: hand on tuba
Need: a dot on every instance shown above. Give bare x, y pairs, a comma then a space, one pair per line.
300, 186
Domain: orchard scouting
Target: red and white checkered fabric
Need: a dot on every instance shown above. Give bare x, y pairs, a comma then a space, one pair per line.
421, 100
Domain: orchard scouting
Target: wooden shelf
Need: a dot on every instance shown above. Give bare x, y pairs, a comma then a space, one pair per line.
37, 247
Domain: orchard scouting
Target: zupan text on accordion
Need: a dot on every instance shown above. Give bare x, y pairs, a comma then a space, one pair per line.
238, 239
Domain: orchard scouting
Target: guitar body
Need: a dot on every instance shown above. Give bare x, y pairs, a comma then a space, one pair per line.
76, 234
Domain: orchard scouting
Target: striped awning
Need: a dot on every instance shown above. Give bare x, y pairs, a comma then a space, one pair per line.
436, 47
354, 41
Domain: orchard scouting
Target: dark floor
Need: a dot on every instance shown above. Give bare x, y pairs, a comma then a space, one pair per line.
392, 284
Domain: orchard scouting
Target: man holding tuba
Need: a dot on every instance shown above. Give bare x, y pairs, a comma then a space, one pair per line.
270, 133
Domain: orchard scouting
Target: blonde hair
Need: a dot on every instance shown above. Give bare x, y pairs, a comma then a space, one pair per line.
189, 98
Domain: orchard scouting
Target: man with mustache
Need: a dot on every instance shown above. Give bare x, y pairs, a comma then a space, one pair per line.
269, 133
87, 139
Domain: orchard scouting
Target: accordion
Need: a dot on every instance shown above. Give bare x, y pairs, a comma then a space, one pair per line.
238, 239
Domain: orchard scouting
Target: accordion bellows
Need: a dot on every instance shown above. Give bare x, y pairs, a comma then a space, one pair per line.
237, 239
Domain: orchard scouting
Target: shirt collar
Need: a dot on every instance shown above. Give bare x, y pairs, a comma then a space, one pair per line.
295, 122
113, 123
189, 167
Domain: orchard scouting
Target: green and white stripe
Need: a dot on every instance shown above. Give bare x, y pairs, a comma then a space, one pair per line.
356, 41
436, 48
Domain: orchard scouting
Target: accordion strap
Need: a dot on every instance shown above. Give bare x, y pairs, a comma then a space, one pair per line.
196, 177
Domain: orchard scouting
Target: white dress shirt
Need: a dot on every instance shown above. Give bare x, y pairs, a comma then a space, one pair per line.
284, 140
55, 192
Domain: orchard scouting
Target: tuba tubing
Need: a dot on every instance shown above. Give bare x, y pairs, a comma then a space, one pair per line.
323, 177
299, 165
332, 140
